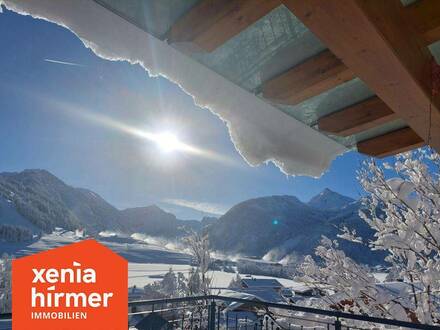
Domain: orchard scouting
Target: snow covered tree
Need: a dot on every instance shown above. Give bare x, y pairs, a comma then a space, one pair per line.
194, 282
403, 207
198, 244
169, 284
353, 288
172, 285
5, 284
182, 284
235, 282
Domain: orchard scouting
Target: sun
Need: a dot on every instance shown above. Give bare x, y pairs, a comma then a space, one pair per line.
168, 142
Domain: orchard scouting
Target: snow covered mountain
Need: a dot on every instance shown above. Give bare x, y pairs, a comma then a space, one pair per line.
256, 226
47, 202
154, 221
37, 199
281, 225
330, 200
13, 226
9, 216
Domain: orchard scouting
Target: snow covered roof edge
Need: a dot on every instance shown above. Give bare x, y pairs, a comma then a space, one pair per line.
259, 132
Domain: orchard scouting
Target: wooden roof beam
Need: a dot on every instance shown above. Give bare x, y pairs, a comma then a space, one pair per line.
373, 39
213, 22
391, 143
423, 15
357, 118
314, 76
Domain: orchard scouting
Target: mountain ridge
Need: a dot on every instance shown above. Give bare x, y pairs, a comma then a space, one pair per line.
253, 227
285, 225
329, 200
48, 202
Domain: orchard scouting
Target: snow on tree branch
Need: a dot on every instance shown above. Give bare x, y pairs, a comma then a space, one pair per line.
402, 207
350, 235
198, 244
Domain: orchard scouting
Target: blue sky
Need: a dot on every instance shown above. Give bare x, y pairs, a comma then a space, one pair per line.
42, 125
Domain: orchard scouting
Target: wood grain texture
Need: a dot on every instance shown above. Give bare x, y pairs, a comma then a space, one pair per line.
213, 22
313, 77
374, 40
391, 143
357, 118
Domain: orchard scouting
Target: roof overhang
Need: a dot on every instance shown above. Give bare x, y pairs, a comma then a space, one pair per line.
285, 95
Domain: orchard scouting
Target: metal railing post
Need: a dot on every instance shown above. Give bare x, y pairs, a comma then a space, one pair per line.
338, 325
211, 316
218, 318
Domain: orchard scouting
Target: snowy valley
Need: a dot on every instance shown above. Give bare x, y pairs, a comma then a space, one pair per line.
258, 239
35, 202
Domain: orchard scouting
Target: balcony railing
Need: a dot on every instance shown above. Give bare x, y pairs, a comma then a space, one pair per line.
215, 312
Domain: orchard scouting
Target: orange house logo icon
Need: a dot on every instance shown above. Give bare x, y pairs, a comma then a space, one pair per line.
79, 286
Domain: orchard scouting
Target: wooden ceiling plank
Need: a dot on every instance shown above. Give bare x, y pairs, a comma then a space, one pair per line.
373, 39
424, 16
314, 76
211, 23
357, 118
391, 143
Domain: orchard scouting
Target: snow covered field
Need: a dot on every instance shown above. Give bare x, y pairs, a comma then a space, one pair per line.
133, 252
147, 262
142, 274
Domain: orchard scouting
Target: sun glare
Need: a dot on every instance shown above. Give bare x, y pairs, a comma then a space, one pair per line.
165, 140
168, 142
